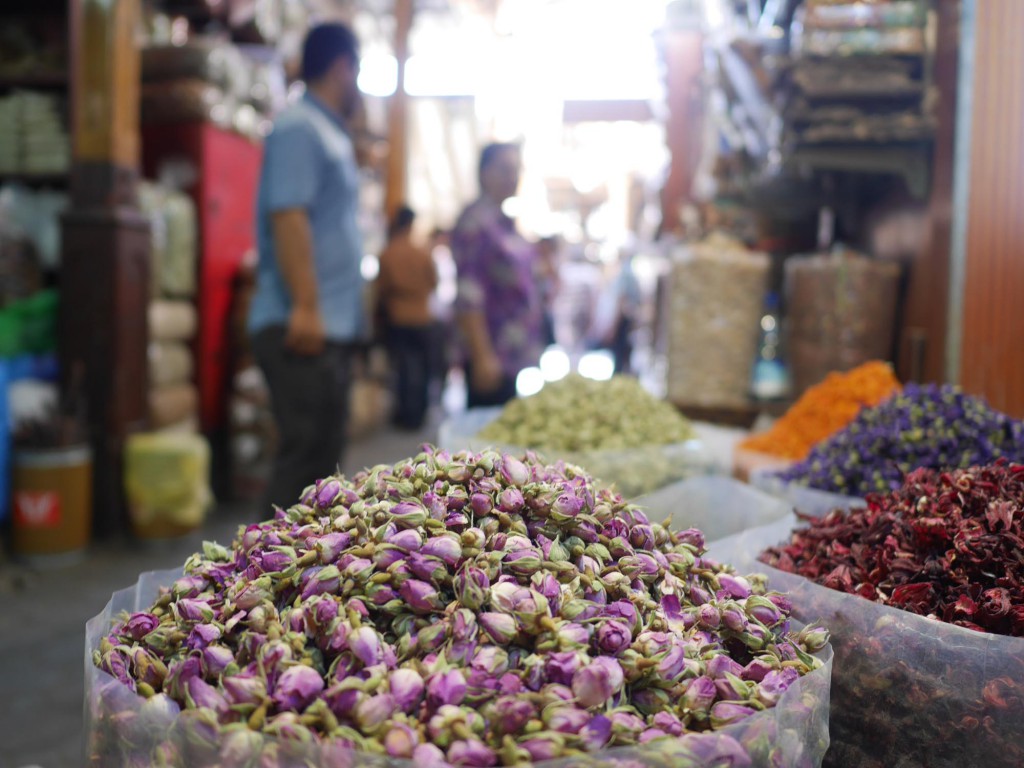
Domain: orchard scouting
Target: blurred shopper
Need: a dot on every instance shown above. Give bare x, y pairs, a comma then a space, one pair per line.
498, 303
549, 282
615, 316
407, 280
307, 312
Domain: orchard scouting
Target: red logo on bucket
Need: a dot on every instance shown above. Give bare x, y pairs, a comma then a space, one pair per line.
37, 509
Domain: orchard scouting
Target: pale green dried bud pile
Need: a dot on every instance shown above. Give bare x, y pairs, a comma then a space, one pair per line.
579, 414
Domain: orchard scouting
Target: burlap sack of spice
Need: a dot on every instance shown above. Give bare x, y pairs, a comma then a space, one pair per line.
840, 312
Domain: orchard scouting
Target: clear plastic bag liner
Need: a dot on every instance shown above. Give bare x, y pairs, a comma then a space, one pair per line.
809, 501
907, 690
125, 729
633, 472
718, 506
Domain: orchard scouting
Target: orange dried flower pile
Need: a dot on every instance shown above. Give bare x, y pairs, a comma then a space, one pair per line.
824, 409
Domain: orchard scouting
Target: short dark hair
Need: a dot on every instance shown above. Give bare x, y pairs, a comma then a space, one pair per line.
402, 220
324, 45
490, 153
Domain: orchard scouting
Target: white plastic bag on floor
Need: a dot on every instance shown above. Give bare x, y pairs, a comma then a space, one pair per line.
124, 730
718, 506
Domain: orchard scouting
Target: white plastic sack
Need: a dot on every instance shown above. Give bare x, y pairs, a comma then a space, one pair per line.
810, 501
718, 506
633, 472
125, 730
907, 690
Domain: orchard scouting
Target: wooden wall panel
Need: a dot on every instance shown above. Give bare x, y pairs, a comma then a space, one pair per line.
992, 348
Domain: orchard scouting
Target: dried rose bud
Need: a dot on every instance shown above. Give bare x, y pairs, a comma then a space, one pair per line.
244, 688
756, 670
500, 627
735, 587
407, 688
774, 684
249, 594
241, 747
200, 694
420, 596
371, 713
626, 727
733, 617
147, 667
343, 699
673, 664
447, 548
428, 756
139, 625
407, 540
202, 635
522, 562
327, 492
446, 688
407, 514
547, 746
192, 610
699, 694
215, 659
513, 471
669, 723
721, 665
813, 638
596, 733
560, 667
400, 740
366, 645
763, 610
179, 672
490, 659
511, 713
613, 637
330, 546
724, 713
471, 587
471, 753
565, 719
597, 682
297, 687
511, 500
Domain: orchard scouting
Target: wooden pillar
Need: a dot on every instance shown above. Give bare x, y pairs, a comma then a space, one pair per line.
922, 342
992, 324
398, 114
105, 248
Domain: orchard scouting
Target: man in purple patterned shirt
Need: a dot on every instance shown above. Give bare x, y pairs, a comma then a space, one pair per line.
498, 302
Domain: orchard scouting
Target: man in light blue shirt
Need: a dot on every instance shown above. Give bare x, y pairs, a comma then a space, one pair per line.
307, 310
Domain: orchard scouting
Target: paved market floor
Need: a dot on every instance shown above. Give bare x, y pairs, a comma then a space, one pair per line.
43, 614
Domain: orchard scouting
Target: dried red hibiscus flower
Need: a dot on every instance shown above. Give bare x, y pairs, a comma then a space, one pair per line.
947, 545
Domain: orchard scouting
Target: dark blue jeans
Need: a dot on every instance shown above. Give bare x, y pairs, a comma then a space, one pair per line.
411, 351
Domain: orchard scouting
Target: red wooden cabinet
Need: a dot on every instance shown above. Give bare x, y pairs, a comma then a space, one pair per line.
227, 172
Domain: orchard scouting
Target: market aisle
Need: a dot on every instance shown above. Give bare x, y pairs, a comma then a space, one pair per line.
44, 614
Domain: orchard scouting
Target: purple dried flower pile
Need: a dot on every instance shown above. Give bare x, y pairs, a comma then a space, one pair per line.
930, 425
468, 609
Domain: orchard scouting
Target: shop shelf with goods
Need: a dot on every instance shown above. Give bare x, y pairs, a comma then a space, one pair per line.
35, 92
205, 105
227, 168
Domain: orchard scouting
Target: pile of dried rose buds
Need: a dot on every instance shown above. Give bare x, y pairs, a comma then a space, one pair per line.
944, 545
468, 609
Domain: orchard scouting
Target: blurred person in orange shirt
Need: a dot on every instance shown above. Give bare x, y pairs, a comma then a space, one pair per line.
407, 279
